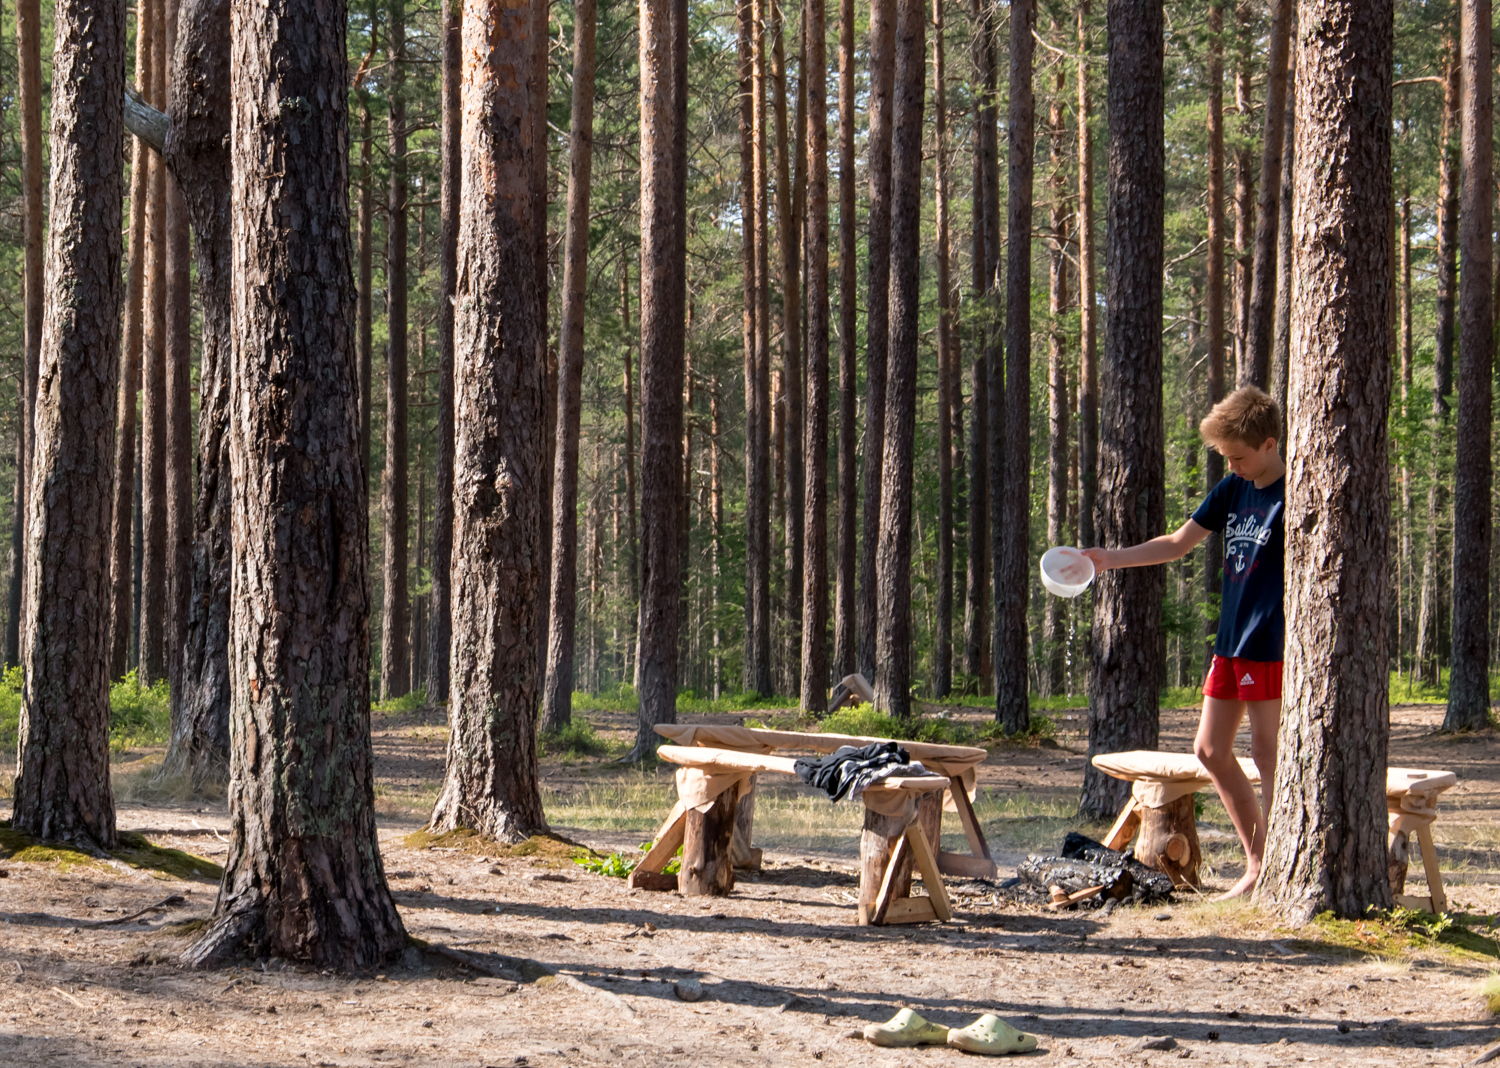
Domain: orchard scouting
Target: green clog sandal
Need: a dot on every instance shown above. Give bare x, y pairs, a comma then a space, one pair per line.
906, 1028
991, 1036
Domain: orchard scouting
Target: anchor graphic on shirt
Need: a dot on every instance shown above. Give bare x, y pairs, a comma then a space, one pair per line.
1239, 562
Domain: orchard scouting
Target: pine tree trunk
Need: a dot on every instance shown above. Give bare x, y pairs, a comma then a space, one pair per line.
62, 790
1327, 844
1468, 686
395, 616
716, 518
1244, 193
632, 554
1264, 272
1281, 351
986, 227
942, 653
546, 355
198, 155
663, 298
845, 621
303, 879
440, 631
814, 675
1088, 366
755, 498
789, 223
758, 471
364, 327
1055, 623
491, 780
154, 551
1013, 577
1131, 507
1213, 470
121, 609
557, 693
29, 91
179, 406
893, 633
877, 325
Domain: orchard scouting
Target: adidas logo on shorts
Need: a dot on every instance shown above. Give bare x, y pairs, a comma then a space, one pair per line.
1248, 680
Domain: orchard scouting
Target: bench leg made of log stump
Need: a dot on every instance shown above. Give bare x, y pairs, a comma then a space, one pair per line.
888, 854
743, 855
707, 867
1169, 840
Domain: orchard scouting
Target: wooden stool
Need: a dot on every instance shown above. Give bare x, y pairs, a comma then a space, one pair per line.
1161, 806
1411, 804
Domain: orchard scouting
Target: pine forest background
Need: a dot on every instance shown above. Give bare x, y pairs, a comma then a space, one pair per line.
712, 641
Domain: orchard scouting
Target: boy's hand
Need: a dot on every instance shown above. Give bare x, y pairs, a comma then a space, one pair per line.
1100, 557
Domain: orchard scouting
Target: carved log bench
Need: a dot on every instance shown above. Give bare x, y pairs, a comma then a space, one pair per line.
1161, 808
1411, 796
957, 762
711, 820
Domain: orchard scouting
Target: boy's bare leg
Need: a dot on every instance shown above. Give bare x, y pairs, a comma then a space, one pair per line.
1265, 723
1214, 748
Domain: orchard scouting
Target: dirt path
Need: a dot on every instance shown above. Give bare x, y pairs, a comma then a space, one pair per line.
786, 976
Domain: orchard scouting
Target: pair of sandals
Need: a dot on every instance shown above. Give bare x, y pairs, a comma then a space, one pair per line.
989, 1035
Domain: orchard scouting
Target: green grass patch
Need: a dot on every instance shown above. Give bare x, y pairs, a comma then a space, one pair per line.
623, 698
620, 865
577, 739
1400, 931
133, 849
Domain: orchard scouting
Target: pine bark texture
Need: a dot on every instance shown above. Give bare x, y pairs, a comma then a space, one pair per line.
759, 675
1088, 356
1214, 298
197, 153
557, 694
1013, 577
62, 790
304, 879
491, 783
395, 616
364, 326
845, 624
1054, 622
877, 327
1131, 507
179, 404
663, 58
1327, 843
440, 629
1468, 686
814, 675
152, 665
893, 632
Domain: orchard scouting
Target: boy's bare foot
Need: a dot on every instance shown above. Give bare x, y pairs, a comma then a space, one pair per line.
1241, 888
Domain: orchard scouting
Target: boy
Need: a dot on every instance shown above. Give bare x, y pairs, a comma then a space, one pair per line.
1245, 679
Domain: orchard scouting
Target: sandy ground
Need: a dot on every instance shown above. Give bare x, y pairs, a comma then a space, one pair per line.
587, 970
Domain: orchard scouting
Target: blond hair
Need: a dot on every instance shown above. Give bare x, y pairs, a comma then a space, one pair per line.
1247, 416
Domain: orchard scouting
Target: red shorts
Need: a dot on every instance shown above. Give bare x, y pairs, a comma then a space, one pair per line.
1243, 680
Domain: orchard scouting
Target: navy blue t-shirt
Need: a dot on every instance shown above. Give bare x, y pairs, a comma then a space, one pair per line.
1251, 624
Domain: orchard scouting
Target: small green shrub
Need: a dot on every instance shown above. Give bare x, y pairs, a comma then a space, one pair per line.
412, 702
578, 738
620, 865
138, 715
621, 698
10, 708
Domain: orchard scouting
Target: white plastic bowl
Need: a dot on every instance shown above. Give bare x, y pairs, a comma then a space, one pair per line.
1066, 572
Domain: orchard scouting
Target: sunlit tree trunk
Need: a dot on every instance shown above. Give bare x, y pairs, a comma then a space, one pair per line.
395, 616
1326, 848
62, 788
942, 654
1131, 507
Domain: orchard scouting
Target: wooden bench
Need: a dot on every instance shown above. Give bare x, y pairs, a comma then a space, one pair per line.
1161, 808
713, 819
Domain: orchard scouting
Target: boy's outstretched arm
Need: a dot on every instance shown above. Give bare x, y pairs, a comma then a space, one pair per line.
1160, 550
